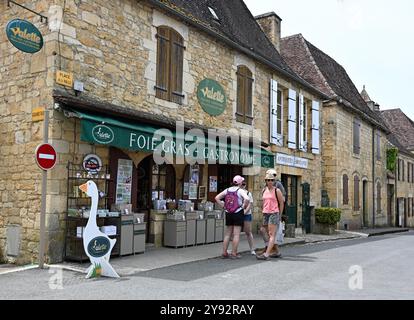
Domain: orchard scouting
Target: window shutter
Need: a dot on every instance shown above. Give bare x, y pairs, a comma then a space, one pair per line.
315, 128
244, 95
177, 58
345, 190
163, 63
357, 133
378, 145
302, 124
275, 138
292, 120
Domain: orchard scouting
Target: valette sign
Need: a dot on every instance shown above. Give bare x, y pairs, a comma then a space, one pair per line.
24, 36
211, 97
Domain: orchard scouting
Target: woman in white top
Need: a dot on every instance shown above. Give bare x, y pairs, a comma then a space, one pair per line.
248, 218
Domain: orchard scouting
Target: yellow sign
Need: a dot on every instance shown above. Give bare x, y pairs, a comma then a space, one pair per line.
64, 78
38, 114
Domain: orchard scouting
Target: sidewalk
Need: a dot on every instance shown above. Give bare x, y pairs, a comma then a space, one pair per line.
164, 257
155, 258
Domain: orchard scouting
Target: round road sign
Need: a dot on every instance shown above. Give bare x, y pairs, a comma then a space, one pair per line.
45, 156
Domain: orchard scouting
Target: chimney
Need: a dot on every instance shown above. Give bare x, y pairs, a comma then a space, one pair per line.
271, 25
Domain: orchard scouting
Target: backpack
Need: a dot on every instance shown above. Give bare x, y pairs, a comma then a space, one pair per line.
231, 201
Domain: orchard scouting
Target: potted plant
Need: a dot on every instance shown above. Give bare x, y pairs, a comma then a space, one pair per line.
326, 220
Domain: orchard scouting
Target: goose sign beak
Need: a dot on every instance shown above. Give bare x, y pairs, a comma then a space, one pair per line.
84, 187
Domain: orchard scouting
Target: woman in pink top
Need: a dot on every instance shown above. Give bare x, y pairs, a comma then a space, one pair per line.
272, 207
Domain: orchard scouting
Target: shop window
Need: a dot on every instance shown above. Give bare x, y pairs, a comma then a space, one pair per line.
356, 193
170, 57
345, 182
244, 112
193, 177
163, 182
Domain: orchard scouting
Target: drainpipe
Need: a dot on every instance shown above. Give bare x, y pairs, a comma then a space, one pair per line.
373, 177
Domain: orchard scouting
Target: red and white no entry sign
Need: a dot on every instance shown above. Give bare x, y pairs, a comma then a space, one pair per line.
45, 156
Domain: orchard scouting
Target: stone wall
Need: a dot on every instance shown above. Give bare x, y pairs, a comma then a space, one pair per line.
111, 47
405, 190
26, 82
339, 159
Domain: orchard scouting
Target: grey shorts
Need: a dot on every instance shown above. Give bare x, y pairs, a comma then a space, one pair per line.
271, 218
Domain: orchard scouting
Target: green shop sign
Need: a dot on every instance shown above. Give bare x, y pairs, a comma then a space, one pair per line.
211, 97
141, 137
24, 36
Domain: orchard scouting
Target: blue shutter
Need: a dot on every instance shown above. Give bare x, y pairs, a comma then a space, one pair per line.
315, 127
292, 120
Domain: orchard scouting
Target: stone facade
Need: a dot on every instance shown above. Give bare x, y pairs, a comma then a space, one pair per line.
110, 47
404, 186
339, 160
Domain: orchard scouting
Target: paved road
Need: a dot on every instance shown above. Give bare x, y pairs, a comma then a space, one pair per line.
379, 268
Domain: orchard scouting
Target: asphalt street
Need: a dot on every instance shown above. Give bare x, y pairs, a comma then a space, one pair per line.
369, 268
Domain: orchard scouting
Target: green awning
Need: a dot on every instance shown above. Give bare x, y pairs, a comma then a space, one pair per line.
135, 136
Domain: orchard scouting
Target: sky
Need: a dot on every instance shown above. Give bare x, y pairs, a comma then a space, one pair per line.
372, 39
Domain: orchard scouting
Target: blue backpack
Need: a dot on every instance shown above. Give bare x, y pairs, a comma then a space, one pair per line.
231, 201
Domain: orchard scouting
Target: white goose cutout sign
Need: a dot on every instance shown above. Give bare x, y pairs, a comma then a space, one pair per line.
98, 246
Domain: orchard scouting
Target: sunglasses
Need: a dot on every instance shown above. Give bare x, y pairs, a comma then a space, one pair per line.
267, 180
244, 184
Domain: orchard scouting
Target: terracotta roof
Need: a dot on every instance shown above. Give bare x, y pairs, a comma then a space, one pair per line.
401, 126
236, 26
322, 71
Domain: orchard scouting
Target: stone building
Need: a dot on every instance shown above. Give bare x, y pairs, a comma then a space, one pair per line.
401, 182
141, 67
353, 138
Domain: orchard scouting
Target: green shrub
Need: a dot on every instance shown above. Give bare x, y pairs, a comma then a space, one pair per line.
328, 215
392, 156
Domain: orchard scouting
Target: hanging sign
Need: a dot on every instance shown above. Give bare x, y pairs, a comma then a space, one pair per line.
92, 163
211, 97
24, 36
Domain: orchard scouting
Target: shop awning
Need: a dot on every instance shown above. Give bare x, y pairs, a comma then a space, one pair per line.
98, 129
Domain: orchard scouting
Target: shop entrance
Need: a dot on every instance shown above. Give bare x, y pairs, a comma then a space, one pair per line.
154, 182
291, 185
306, 215
226, 174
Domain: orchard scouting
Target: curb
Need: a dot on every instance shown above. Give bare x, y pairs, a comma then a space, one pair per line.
387, 232
19, 269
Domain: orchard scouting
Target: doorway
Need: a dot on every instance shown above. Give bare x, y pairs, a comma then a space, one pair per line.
390, 204
306, 215
365, 204
226, 174
153, 182
291, 185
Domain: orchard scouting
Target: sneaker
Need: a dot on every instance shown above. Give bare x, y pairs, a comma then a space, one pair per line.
262, 257
237, 256
253, 252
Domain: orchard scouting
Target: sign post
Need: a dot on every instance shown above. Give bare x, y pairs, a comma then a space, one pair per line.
46, 160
